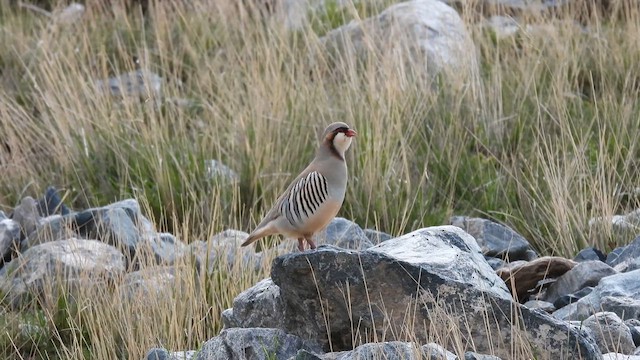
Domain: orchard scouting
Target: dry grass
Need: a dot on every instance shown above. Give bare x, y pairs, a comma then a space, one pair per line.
547, 141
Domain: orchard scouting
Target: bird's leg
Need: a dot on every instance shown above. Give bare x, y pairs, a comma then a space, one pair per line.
301, 244
312, 245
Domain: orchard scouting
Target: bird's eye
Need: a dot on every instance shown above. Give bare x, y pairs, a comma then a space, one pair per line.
343, 129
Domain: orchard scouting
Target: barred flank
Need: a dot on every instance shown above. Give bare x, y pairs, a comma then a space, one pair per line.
305, 198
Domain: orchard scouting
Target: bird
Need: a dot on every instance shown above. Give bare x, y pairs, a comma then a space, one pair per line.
315, 196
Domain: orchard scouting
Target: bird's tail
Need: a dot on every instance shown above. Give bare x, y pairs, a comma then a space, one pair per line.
260, 233
250, 239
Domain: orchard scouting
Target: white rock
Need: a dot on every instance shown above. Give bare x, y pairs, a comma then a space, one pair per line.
421, 34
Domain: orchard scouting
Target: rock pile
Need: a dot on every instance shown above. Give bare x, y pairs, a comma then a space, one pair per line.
361, 293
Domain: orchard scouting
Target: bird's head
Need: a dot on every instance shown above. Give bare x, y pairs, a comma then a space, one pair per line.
338, 136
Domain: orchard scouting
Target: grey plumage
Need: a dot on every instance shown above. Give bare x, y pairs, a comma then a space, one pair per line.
315, 196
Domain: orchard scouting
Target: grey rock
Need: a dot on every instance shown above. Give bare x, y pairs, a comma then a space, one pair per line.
163, 354
390, 350
530, 255
427, 36
627, 308
345, 234
27, 215
224, 249
164, 247
204, 255
635, 334
614, 254
51, 228
184, 355
433, 351
495, 239
120, 224
590, 253
307, 355
542, 305
73, 263
157, 354
440, 269
632, 264
470, 355
618, 356
619, 293
251, 344
621, 227
216, 170
259, 306
586, 273
629, 253
229, 238
376, 237
115, 226
51, 204
495, 263
136, 83
9, 236
449, 253
610, 332
567, 299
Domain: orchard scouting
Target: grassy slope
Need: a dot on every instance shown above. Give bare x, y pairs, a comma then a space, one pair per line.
550, 142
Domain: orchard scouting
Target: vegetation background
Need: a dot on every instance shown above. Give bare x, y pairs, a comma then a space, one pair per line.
547, 140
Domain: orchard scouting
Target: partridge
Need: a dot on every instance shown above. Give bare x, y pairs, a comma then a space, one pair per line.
313, 199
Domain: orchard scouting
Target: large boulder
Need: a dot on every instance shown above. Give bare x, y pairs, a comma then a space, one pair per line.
423, 35
68, 263
433, 277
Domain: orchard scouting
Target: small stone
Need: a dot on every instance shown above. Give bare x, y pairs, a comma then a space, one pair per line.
470, 355
567, 299
590, 253
610, 333
157, 354
541, 305
27, 216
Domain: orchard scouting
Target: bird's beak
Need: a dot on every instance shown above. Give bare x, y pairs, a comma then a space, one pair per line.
351, 133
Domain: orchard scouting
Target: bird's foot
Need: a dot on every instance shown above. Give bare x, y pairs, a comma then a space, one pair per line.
312, 245
301, 245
